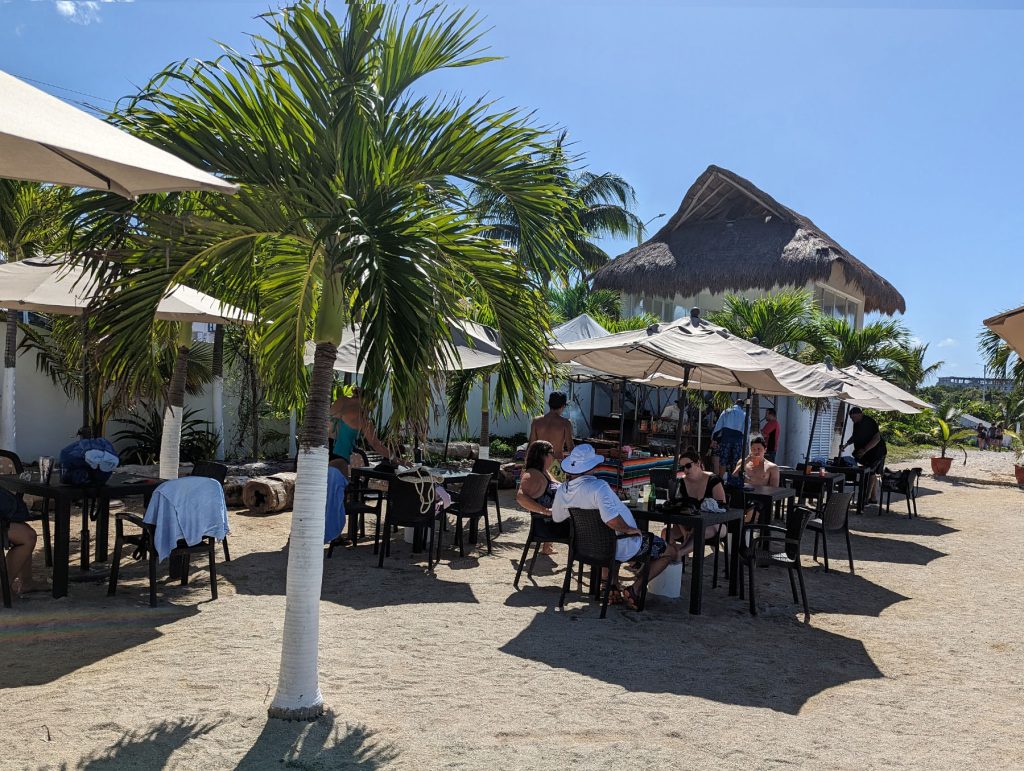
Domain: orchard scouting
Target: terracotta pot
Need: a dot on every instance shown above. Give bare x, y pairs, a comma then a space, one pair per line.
940, 466
1018, 471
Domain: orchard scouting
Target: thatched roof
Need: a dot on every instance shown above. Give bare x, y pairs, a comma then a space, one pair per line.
730, 236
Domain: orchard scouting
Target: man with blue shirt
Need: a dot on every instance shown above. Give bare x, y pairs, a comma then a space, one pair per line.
727, 436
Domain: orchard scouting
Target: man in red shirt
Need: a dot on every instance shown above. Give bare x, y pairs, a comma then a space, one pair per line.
770, 432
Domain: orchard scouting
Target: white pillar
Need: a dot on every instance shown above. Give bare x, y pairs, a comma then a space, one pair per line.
8, 433
218, 414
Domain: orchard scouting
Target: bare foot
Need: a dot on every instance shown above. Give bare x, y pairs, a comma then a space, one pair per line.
547, 549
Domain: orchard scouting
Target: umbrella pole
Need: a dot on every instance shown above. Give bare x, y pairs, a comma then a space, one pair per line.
746, 435
679, 422
814, 427
622, 436
700, 425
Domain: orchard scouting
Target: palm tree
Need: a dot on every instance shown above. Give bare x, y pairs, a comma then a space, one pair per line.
1000, 359
779, 321
350, 211
912, 373
31, 225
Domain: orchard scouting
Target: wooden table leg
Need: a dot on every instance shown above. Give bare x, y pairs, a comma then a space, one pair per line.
697, 568
102, 527
61, 546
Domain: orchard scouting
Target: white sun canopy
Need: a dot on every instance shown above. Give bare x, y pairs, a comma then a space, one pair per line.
43, 139
476, 347
884, 387
1010, 327
48, 286
702, 356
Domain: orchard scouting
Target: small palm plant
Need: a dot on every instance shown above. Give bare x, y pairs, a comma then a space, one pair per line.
946, 431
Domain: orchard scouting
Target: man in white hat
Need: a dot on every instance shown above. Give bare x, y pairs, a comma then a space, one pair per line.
582, 490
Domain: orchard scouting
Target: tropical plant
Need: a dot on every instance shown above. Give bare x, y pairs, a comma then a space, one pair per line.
31, 225
946, 431
144, 430
350, 211
603, 305
1000, 359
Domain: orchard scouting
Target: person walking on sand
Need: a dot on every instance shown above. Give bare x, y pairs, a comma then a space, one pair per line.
553, 427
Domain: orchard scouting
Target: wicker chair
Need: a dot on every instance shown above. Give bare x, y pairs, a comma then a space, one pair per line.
835, 518
10, 463
492, 467
902, 483
217, 471
542, 530
756, 542
406, 509
472, 505
592, 543
5, 579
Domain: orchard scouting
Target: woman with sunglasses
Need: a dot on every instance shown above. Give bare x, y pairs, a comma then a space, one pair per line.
696, 486
537, 487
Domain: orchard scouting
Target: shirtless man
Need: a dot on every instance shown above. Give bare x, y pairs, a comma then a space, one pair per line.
553, 427
348, 422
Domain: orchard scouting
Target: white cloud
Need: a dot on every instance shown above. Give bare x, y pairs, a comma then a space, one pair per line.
83, 11
948, 342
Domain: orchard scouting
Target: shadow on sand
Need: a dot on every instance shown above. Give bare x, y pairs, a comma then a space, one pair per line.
149, 748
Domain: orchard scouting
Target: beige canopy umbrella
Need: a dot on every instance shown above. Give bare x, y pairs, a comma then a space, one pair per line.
1010, 327
884, 387
53, 286
865, 393
43, 139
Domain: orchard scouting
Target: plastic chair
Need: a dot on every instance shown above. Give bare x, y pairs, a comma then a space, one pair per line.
10, 463
835, 518
406, 509
756, 542
492, 467
5, 579
542, 530
472, 505
902, 483
592, 543
218, 471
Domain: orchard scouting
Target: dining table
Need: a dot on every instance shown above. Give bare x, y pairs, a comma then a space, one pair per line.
815, 485
697, 520
118, 486
858, 476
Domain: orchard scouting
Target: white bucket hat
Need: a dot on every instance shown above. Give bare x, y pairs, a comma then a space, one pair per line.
581, 459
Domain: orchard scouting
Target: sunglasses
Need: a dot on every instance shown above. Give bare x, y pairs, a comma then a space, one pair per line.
686, 466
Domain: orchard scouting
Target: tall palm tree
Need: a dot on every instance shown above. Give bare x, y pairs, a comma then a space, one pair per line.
350, 211
31, 225
1000, 359
779, 321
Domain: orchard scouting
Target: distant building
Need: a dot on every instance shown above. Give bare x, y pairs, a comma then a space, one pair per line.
981, 383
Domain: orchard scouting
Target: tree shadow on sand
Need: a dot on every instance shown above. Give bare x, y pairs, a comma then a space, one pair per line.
57, 639
319, 744
350, 579
900, 525
149, 748
772, 662
877, 549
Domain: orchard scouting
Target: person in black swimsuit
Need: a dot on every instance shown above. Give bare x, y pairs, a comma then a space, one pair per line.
537, 488
696, 486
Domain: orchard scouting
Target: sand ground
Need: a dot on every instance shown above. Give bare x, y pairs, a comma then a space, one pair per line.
914, 662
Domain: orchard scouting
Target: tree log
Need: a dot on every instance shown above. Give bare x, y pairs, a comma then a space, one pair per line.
265, 495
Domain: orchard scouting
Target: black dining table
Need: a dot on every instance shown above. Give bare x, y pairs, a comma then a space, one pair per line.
698, 521
118, 486
858, 476
814, 485
770, 496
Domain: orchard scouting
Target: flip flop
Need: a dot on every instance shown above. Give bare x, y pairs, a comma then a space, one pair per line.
630, 599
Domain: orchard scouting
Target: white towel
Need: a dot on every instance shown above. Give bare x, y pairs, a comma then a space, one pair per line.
187, 509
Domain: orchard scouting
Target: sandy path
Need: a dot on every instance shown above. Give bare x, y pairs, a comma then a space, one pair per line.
914, 662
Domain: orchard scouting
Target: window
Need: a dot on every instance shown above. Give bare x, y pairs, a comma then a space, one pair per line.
837, 305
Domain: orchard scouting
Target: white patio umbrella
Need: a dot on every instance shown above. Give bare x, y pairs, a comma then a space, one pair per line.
43, 139
882, 386
476, 347
53, 286
864, 393
1010, 327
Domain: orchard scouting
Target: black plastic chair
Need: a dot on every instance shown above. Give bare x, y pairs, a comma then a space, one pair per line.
492, 467
14, 465
144, 539
218, 471
756, 542
835, 518
592, 543
406, 509
472, 505
662, 479
360, 500
542, 530
5, 579
902, 483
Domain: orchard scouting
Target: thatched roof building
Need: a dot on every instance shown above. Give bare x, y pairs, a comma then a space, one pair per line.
730, 236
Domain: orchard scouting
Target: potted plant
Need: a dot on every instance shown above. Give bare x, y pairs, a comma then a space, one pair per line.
1018, 455
946, 433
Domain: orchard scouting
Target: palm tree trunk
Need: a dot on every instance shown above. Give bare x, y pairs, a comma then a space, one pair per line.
298, 694
218, 389
8, 434
170, 441
485, 419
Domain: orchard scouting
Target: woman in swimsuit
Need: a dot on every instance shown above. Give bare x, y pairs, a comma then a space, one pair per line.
349, 422
537, 487
696, 486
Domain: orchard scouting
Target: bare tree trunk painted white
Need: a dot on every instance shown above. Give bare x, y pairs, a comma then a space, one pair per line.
8, 430
293, 447
298, 694
218, 390
485, 419
170, 439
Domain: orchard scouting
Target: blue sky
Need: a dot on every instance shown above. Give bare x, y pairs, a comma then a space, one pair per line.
897, 130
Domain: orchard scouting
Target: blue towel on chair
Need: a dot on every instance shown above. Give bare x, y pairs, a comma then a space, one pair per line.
334, 517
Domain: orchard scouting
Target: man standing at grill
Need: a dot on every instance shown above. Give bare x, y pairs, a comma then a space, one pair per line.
868, 448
